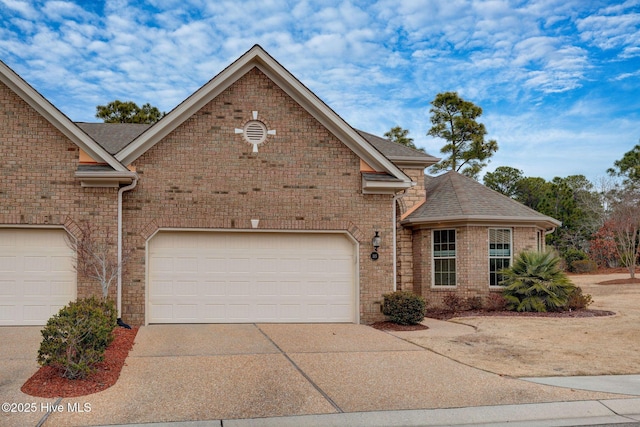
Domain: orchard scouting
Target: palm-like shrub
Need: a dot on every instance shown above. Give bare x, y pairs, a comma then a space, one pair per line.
535, 283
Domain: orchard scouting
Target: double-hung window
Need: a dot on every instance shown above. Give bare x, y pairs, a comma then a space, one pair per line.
444, 258
499, 253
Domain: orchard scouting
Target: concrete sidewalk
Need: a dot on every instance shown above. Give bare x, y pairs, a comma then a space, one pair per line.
623, 412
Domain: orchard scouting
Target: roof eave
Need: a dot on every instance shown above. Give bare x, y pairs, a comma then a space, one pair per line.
405, 161
104, 179
546, 223
383, 187
56, 117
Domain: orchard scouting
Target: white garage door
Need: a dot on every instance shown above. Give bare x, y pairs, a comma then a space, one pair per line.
36, 275
216, 277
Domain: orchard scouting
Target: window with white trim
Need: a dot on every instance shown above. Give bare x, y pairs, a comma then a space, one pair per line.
444, 257
499, 253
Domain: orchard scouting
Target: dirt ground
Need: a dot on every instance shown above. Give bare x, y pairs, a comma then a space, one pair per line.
539, 347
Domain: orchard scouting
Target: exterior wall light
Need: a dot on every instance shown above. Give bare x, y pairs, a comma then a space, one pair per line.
376, 244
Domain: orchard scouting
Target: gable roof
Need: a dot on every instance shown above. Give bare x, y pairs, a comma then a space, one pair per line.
455, 198
257, 57
58, 119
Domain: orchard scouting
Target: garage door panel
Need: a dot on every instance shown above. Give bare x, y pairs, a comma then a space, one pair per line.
251, 277
38, 278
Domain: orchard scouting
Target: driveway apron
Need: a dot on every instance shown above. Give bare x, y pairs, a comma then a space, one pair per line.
213, 372
19, 349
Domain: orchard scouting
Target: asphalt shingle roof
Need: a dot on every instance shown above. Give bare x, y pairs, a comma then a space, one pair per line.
113, 137
453, 196
393, 150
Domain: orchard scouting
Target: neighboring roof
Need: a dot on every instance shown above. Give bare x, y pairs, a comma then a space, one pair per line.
256, 57
398, 153
57, 118
113, 137
455, 198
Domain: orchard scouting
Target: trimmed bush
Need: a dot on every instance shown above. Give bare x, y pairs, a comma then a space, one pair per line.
535, 283
572, 255
583, 266
75, 339
404, 308
578, 300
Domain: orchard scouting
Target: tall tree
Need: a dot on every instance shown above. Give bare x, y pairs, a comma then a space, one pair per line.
454, 120
128, 112
503, 180
628, 167
624, 222
401, 136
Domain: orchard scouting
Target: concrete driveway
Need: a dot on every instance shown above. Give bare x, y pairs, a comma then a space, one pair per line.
213, 372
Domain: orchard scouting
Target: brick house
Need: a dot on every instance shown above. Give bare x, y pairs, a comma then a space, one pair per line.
251, 201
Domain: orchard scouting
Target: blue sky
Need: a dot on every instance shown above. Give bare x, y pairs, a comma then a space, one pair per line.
558, 80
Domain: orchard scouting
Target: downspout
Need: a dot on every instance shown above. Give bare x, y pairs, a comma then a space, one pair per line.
119, 284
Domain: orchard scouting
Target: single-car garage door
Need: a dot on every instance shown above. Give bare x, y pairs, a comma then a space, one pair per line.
36, 275
218, 277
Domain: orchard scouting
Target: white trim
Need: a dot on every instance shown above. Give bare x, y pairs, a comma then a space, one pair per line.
355, 243
433, 258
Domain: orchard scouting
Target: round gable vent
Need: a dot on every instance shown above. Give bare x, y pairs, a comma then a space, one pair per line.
255, 132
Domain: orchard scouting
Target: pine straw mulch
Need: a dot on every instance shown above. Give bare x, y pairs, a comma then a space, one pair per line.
47, 382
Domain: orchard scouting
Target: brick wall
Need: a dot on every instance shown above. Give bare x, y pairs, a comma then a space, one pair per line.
203, 175
38, 183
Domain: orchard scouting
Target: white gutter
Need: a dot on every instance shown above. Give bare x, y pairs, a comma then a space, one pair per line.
120, 191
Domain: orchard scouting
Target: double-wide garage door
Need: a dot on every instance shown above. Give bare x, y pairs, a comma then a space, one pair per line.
36, 275
218, 277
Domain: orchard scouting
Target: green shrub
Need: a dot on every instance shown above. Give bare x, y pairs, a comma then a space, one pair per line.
75, 339
535, 283
404, 308
583, 266
572, 255
578, 300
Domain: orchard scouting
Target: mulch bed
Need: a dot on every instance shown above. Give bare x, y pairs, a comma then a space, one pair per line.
625, 281
446, 315
390, 326
47, 382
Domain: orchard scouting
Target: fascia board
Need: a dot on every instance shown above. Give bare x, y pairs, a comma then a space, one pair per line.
56, 117
481, 220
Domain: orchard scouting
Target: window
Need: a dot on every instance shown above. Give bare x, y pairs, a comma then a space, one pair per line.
499, 253
444, 257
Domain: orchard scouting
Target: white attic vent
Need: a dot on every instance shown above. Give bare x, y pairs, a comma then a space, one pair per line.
255, 132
